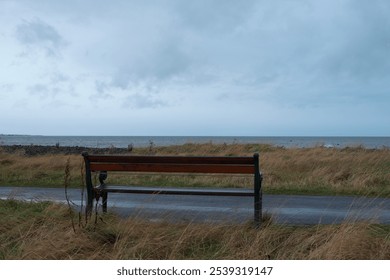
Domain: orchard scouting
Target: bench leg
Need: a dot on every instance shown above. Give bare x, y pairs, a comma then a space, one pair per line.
258, 215
104, 201
258, 203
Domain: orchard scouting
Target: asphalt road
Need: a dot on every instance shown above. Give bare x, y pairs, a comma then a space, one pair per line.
284, 209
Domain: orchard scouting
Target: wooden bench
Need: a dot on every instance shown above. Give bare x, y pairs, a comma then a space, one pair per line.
172, 164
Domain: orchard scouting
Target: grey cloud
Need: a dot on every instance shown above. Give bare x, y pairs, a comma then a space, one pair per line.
161, 64
38, 33
360, 50
176, 41
102, 91
101, 87
290, 53
315, 53
44, 91
136, 95
58, 77
212, 15
6, 88
40, 90
48, 95
156, 59
142, 101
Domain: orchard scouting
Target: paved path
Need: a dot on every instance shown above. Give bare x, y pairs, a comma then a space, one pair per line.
285, 209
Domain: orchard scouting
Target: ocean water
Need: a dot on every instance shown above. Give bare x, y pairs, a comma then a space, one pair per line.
145, 141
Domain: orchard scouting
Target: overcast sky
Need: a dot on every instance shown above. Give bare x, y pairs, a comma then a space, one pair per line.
193, 67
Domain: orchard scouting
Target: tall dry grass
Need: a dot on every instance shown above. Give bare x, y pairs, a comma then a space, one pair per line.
43, 170
44, 231
350, 171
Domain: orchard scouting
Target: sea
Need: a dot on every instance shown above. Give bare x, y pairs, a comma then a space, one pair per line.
146, 141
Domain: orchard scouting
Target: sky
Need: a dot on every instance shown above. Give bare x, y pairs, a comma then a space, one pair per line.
196, 67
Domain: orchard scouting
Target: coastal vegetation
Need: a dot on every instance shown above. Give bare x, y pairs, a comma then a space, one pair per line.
52, 231
315, 171
44, 231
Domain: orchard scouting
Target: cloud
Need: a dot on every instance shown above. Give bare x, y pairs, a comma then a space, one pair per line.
161, 63
101, 91
56, 85
37, 33
142, 101
176, 60
310, 53
6, 87
40, 90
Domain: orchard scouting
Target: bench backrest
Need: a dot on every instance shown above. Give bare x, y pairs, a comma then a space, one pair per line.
174, 164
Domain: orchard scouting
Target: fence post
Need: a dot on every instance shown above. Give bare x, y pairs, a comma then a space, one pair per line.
258, 203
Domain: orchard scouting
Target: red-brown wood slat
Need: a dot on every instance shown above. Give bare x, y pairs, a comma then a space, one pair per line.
170, 159
175, 168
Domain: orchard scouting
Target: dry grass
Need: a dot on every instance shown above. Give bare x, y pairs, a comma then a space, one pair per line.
44, 231
44, 170
350, 171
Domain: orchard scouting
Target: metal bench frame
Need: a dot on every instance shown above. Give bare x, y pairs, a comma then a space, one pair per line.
172, 164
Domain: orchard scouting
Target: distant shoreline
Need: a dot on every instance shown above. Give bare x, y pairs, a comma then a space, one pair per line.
164, 141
